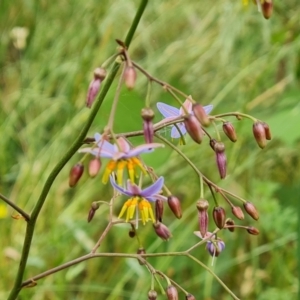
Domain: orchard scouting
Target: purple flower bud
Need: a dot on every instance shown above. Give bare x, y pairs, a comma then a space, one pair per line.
162, 231
251, 210
267, 8
220, 158
260, 134
190, 297
175, 206
152, 295
75, 174
159, 210
148, 115
92, 211
219, 216
253, 230
94, 167
237, 211
202, 206
172, 293
229, 131
130, 77
267, 131
229, 225
193, 128
200, 114
99, 76
215, 248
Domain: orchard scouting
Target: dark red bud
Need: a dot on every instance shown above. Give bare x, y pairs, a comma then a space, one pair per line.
94, 167
219, 216
162, 231
220, 158
230, 225
229, 131
131, 233
152, 295
253, 230
237, 211
75, 174
148, 115
159, 210
251, 210
202, 206
267, 131
190, 297
175, 206
267, 8
172, 293
99, 75
92, 211
130, 77
141, 251
193, 128
200, 114
260, 134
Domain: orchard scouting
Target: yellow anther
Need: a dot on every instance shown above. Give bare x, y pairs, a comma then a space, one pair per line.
120, 169
146, 210
130, 167
109, 168
138, 163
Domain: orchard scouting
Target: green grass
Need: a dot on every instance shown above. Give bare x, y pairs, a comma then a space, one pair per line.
220, 52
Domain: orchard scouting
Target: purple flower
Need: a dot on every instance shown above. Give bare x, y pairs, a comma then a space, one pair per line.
139, 200
170, 113
121, 156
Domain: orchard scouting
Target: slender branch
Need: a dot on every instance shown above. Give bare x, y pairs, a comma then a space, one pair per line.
76, 145
15, 207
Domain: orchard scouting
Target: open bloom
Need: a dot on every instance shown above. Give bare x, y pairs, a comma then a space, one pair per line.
139, 199
121, 156
170, 113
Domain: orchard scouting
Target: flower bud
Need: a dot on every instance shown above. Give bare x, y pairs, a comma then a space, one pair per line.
130, 77
202, 206
200, 114
159, 210
148, 115
175, 206
259, 134
267, 131
75, 174
219, 216
190, 297
99, 76
141, 251
94, 167
193, 127
229, 131
92, 211
237, 212
229, 225
267, 8
162, 231
215, 248
251, 210
172, 293
131, 233
220, 158
152, 295
253, 230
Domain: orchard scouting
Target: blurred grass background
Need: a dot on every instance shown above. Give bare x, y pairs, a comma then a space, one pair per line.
221, 52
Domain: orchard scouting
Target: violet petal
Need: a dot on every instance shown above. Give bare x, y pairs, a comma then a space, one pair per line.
154, 188
167, 110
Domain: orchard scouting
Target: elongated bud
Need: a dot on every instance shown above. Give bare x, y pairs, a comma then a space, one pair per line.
260, 134
237, 211
267, 8
229, 225
148, 115
152, 295
202, 206
200, 114
172, 293
193, 128
92, 211
94, 167
159, 210
253, 230
130, 77
141, 250
75, 174
267, 131
219, 216
175, 206
220, 158
251, 210
162, 231
215, 248
229, 131
94, 87
190, 297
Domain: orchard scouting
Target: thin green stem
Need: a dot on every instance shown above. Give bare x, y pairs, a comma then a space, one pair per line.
68, 154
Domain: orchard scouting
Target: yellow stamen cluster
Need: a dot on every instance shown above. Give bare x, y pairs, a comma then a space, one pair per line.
120, 165
144, 207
